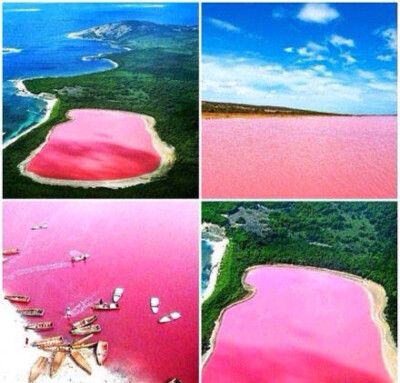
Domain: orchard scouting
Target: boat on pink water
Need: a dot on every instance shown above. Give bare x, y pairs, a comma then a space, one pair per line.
301, 325
129, 241
95, 145
299, 157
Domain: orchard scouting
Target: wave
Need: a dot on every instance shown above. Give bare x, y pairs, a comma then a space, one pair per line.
37, 269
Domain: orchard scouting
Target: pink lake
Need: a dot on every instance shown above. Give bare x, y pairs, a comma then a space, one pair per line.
150, 248
299, 157
97, 144
301, 326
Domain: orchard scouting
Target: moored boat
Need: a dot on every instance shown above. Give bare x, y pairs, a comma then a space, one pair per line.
39, 227
170, 317
86, 330
77, 255
39, 326
106, 306
81, 361
13, 251
58, 359
65, 347
101, 352
18, 298
117, 294
154, 303
84, 322
82, 340
50, 341
31, 312
38, 368
83, 345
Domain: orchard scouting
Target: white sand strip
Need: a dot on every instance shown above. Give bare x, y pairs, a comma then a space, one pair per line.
219, 248
166, 153
377, 298
23, 92
17, 359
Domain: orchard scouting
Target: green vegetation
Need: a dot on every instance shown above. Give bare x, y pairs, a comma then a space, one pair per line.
362, 237
231, 108
158, 79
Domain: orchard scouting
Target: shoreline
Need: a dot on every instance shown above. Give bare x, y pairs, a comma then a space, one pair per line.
219, 249
165, 151
23, 91
14, 351
376, 296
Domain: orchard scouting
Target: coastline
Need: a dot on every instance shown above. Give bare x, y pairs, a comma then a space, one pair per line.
23, 92
219, 249
166, 153
15, 352
377, 298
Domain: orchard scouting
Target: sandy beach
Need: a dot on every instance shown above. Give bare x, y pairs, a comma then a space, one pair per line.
377, 298
219, 247
23, 92
15, 353
166, 153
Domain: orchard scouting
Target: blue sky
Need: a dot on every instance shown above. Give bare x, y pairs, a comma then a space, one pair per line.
327, 57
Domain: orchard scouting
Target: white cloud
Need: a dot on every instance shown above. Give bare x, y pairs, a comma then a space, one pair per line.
384, 57
224, 25
23, 10
390, 35
279, 13
289, 49
312, 51
348, 57
339, 41
314, 88
317, 13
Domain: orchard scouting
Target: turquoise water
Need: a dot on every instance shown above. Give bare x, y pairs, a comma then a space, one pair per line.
206, 251
40, 31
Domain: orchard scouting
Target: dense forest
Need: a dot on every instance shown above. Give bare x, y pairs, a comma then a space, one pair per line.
225, 108
159, 79
356, 237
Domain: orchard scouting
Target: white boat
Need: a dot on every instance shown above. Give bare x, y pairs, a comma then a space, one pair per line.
39, 227
170, 317
154, 303
77, 255
117, 294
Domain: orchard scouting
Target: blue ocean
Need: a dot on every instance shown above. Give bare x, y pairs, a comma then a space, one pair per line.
206, 251
38, 34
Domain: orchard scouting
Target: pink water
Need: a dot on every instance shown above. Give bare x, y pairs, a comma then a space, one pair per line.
302, 326
148, 248
97, 145
299, 157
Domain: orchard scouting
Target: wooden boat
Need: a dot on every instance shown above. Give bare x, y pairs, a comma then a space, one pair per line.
84, 322
18, 298
50, 341
117, 294
170, 317
106, 306
40, 326
31, 312
39, 227
101, 352
154, 303
81, 361
77, 256
64, 347
58, 359
81, 340
174, 380
83, 345
38, 368
86, 330
14, 251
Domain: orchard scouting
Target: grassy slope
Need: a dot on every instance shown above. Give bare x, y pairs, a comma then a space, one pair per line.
159, 82
363, 237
